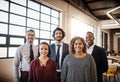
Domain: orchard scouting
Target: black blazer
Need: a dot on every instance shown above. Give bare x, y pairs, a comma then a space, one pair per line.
100, 58
65, 52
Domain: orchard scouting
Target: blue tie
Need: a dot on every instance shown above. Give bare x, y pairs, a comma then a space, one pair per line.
57, 57
31, 53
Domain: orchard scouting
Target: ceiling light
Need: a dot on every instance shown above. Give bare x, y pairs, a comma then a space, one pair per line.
108, 13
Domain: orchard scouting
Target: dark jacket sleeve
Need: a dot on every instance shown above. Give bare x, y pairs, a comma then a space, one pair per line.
104, 62
100, 58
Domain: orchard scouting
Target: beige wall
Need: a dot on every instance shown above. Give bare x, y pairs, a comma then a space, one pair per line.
6, 70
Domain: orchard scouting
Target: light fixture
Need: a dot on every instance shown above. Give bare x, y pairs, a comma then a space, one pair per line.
108, 13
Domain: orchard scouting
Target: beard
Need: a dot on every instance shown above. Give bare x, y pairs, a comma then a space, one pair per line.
58, 38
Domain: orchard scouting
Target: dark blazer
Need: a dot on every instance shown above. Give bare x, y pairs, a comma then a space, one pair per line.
65, 51
100, 58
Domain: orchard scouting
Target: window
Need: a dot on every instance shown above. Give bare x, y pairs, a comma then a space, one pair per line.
105, 40
17, 16
79, 28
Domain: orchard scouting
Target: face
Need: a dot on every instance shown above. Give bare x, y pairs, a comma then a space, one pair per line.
89, 39
58, 35
30, 36
78, 46
43, 50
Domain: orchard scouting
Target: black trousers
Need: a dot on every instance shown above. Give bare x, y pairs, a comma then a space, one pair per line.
59, 76
24, 76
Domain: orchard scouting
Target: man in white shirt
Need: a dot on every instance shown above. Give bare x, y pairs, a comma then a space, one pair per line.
61, 47
98, 54
23, 59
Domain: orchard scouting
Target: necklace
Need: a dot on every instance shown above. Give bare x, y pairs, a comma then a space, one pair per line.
43, 61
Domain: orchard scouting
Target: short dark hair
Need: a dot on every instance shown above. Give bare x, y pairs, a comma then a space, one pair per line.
48, 48
90, 33
60, 29
30, 30
72, 50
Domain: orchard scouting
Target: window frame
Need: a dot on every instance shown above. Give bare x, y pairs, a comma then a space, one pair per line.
38, 39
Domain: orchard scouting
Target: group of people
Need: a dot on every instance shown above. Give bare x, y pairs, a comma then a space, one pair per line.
80, 61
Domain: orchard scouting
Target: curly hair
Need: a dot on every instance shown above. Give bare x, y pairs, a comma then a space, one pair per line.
60, 29
71, 48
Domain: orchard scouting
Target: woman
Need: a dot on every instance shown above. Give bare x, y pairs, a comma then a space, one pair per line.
78, 66
43, 69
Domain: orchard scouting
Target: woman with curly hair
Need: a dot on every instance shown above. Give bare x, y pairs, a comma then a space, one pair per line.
78, 66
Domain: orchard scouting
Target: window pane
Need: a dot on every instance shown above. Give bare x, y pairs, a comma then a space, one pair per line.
16, 30
45, 26
2, 40
51, 35
44, 34
3, 28
17, 19
18, 9
33, 5
53, 27
22, 2
3, 5
54, 21
16, 41
55, 13
3, 17
33, 23
33, 14
45, 18
45, 9
36, 42
12, 51
3, 52
52, 42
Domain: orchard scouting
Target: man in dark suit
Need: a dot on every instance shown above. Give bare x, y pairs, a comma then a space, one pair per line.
98, 54
59, 50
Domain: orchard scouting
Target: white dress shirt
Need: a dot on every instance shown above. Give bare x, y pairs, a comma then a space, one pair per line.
60, 57
90, 49
22, 59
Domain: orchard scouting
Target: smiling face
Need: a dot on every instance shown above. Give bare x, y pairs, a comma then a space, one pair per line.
58, 35
89, 39
78, 46
30, 36
43, 50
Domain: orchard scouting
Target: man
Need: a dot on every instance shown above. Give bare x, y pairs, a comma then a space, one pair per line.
98, 54
59, 50
24, 55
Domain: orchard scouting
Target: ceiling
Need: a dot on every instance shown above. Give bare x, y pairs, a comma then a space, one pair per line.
97, 8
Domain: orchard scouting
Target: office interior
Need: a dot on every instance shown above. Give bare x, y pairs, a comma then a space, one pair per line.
71, 16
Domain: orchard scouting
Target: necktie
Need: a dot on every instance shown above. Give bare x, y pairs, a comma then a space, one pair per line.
57, 57
31, 53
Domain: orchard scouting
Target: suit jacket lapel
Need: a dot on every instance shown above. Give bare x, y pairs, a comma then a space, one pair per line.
54, 50
93, 50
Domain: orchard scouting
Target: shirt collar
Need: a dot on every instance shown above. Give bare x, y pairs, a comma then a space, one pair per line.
28, 44
91, 46
56, 43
